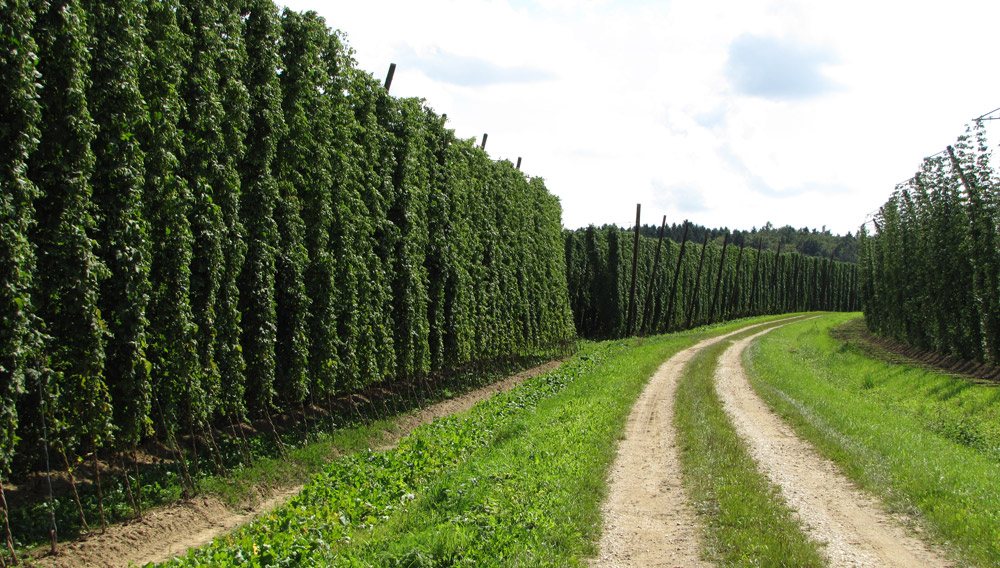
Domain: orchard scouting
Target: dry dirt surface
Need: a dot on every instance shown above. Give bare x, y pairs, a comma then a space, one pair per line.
855, 528
170, 531
648, 518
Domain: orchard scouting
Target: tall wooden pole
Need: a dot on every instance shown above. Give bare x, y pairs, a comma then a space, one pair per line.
756, 275
635, 265
718, 279
697, 281
388, 76
677, 274
728, 308
652, 277
774, 275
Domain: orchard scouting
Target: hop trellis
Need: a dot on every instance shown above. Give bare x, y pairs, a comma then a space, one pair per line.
930, 264
209, 214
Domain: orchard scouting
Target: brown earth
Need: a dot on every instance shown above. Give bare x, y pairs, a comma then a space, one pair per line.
170, 531
854, 527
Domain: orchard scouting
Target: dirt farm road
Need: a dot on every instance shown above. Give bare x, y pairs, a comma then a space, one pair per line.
650, 522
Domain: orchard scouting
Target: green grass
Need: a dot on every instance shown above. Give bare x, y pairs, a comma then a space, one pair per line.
309, 448
516, 481
746, 520
923, 442
302, 463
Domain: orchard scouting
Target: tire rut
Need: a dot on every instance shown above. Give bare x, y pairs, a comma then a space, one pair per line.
854, 527
648, 518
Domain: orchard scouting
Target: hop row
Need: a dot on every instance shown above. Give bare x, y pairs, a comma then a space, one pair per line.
930, 270
686, 284
208, 211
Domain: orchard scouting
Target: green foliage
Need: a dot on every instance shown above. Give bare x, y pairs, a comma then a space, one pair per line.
258, 198
230, 217
203, 170
172, 332
930, 272
19, 333
67, 270
117, 107
808, 242
599, 264
305, 166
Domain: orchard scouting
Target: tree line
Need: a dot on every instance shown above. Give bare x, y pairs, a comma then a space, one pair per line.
679, 285
210, 214
930, 269
810, 242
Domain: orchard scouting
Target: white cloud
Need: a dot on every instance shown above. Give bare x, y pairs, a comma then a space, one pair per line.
664, 103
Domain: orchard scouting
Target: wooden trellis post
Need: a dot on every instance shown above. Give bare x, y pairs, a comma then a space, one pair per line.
718, 280
677, 273
630, 321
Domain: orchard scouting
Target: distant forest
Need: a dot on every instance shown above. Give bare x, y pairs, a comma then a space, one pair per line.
811, 242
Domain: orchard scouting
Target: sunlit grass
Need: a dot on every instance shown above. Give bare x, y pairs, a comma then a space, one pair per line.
747, 523
923, 442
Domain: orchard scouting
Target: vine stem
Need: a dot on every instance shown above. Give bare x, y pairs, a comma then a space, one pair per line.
138, 480
72, 482
128, 482
6, 526
175, 449
48, 467
100, 492
274, 431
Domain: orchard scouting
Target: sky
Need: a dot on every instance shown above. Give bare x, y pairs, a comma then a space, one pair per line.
727, 113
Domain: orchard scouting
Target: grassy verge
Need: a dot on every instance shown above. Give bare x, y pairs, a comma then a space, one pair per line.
747, 522
908, 435
516, 481
360, 422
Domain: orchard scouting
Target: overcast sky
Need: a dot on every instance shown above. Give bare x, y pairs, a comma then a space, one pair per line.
733, 113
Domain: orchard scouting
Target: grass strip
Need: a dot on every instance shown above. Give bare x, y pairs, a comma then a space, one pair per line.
516, 481
885, 424
747, 521
360, 491
534, 499
362, 421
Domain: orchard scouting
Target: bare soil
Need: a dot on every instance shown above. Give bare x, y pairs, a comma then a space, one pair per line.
648, 517
855, 528
170, 531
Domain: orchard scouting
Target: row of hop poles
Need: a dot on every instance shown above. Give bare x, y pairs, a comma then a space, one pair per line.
388, 83
637, 321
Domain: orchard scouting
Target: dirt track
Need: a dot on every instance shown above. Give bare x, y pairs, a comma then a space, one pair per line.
172, 530
856, 529
649, 520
